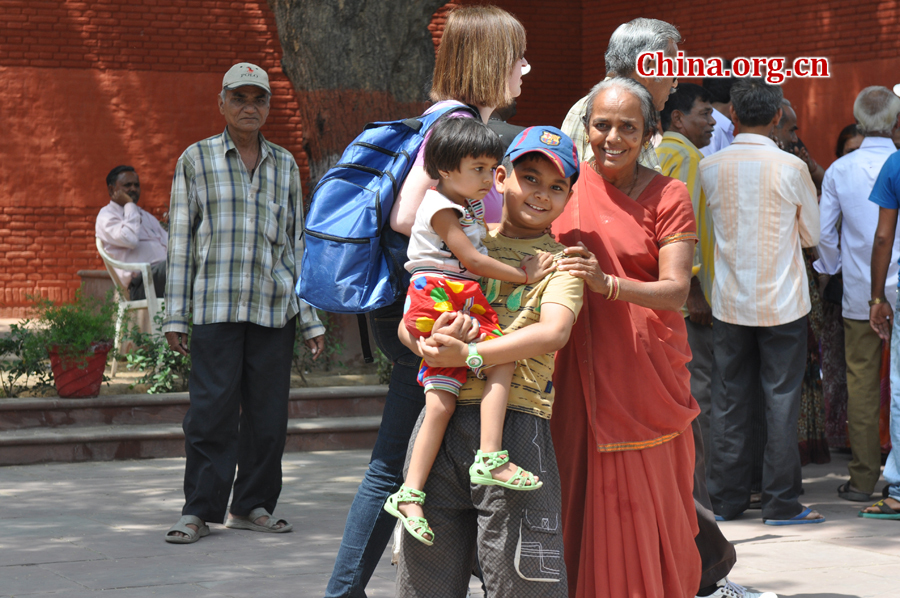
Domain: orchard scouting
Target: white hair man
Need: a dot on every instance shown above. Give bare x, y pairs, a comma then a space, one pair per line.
627, 42
845, 197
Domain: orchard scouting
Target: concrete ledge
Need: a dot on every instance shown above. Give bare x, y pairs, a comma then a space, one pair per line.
181, 398
107, 443
53, 412
168, 431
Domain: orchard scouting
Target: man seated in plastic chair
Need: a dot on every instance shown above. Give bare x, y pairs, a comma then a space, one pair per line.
132, 235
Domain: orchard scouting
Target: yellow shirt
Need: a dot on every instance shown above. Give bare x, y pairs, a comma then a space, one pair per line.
518, 306
680, 159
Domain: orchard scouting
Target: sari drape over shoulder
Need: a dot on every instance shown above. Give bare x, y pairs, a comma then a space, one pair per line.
638, 391
624, 408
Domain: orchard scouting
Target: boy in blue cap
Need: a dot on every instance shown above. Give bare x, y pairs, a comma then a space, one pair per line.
518, 534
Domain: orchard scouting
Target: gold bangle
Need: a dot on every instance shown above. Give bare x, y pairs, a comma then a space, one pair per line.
876, 301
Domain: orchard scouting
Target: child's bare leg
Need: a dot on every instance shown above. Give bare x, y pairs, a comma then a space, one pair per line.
439, 406
493, 413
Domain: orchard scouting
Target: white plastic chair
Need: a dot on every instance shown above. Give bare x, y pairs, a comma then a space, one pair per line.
151, 303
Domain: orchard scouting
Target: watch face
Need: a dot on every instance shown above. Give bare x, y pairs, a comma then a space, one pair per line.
474, 361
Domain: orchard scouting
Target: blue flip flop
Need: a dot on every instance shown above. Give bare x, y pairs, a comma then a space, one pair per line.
799, 519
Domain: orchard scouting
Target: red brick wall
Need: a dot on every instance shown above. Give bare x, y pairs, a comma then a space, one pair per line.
861, 38
89, 85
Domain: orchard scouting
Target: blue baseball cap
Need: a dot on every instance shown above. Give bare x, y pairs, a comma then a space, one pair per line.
551, 142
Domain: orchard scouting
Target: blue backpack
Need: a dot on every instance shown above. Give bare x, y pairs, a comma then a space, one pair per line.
353, 260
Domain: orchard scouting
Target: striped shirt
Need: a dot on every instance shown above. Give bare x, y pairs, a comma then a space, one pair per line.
763, 206
573, 126
235, 243
680, 159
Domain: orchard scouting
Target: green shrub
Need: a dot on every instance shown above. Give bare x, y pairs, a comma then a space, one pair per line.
303, 358
383, 366
72, 328
23, 360
164, 369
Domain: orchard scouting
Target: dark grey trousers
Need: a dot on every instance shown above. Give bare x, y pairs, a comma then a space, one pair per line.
746, 358
136, 290
700, 339
701, 366
717, 554
240, 378
518, 534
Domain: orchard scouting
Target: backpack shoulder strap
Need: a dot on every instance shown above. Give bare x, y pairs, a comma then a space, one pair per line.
424, 122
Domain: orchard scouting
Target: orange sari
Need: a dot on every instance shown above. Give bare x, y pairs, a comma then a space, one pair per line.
621, 425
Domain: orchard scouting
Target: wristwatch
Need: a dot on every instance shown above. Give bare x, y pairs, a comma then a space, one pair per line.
474, 360
876, 301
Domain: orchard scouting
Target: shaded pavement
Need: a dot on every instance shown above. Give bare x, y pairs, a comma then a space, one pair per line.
96, 529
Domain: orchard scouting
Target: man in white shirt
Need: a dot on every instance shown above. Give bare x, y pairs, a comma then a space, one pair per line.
720, 90
130, 234
845, 196
763, 205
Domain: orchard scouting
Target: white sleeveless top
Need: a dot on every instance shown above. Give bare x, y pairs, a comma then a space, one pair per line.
428, 254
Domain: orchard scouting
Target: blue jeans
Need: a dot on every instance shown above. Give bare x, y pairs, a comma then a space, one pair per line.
369, 526
892, 466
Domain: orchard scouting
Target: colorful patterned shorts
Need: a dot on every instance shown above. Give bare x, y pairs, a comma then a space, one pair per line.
430, 296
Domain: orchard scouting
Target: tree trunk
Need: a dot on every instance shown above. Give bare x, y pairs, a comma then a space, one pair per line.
352, 62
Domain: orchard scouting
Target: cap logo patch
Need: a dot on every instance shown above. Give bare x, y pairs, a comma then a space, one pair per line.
549, 138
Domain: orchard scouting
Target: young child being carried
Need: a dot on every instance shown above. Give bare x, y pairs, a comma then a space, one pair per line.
447, 257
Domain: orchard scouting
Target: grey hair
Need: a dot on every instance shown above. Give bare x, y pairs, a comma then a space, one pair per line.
784, 102
755, 102
648, 111
875, 110
634, 37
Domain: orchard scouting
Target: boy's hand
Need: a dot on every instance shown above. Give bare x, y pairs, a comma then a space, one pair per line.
537, 266
455, 324
448, 345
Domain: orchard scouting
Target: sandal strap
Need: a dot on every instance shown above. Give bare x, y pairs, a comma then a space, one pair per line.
407, 494
259, 512
182, 526
492, 460
418, 523
522, 479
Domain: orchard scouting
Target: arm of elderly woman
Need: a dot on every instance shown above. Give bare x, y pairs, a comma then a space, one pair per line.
669, 292
445, 348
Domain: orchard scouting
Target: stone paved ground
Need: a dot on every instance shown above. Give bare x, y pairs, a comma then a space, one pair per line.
92, 530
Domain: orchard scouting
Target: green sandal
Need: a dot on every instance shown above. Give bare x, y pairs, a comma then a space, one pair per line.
417, 526
480, 472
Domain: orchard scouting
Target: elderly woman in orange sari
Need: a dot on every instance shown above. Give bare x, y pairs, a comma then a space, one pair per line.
623, 432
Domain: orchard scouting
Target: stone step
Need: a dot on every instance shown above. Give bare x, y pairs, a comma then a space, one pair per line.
132, 410
112, 442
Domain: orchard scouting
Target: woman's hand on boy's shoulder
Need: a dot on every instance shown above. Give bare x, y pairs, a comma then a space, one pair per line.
581, 263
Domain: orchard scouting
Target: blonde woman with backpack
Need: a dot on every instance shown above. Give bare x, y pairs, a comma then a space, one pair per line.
480, 64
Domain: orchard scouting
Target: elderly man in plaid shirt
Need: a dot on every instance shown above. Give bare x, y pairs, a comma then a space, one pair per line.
235, 248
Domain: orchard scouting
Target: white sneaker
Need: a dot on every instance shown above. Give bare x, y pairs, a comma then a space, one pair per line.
729, 589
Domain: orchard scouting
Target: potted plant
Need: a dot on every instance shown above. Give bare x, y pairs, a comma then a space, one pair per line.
77, 337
